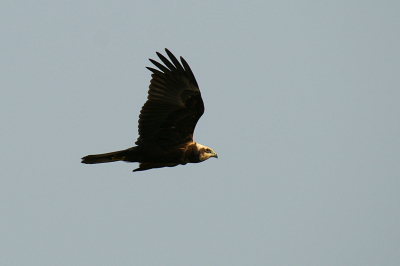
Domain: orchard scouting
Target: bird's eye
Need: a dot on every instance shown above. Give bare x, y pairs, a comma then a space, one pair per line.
208, 150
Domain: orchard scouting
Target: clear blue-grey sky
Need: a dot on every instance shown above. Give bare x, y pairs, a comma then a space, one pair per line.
302, 107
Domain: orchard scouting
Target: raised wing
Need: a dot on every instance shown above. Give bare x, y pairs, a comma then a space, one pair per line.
173, 106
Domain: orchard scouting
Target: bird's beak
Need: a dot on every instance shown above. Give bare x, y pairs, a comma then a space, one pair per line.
215, 155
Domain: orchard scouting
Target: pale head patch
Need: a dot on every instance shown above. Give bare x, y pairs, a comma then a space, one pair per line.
205, 152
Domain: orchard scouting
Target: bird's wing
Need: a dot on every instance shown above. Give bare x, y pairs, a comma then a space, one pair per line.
147, 166
173, 106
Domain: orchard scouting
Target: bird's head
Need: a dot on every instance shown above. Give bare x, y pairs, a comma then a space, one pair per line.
205, 152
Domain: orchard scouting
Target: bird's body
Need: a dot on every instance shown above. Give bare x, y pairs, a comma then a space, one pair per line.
166, 122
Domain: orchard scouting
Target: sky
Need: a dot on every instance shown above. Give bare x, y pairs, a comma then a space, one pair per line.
302, 107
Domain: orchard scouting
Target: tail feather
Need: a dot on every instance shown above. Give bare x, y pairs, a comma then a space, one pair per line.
108, 157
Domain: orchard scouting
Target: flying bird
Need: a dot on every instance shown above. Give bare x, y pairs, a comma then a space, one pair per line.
166, 122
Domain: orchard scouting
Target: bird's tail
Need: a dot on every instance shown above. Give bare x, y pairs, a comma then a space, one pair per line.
124, 155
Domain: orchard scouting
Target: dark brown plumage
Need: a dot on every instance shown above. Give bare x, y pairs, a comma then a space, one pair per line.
166, 122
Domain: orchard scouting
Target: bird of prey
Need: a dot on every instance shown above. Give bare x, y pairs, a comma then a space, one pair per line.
166, 122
